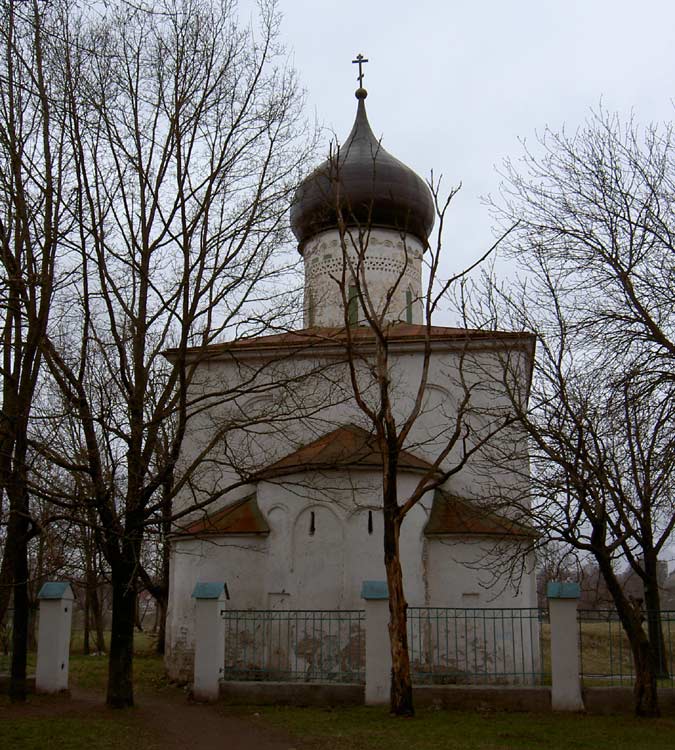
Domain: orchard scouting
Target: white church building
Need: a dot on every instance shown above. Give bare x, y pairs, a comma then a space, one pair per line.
300, 526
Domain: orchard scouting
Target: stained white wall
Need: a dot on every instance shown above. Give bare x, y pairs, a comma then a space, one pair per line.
313, 396
292, 568
297, 569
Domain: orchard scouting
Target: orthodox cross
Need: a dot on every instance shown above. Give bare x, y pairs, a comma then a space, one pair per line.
360, 59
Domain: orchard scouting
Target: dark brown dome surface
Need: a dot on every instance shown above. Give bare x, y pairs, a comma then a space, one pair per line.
368, 185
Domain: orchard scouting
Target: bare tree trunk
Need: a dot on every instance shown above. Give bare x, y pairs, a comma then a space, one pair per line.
653, 607
6, 570
87, 607
17, 532
644, 691
97, 614
139, 616
162, 592
161, 624
94, 615
401, 702
120, 665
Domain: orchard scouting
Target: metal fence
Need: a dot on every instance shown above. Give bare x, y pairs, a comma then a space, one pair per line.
605, 654
295, 645
477, 646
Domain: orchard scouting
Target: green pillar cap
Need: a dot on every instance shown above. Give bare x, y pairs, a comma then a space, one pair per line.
374, 590
559, 590
210, 590
56, 590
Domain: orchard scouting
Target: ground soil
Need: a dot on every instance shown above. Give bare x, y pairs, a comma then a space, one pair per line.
168, 716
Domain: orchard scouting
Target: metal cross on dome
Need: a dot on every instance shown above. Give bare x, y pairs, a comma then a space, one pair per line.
360, 60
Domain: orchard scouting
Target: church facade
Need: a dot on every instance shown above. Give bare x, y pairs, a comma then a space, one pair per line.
295, 465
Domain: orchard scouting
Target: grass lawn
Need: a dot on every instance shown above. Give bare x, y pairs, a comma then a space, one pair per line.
39, 725
47, 722
361, 728
72, 733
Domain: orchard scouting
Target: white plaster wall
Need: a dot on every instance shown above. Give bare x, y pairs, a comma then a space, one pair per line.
317, 397
237, 561
387, 258
325, 569
477, 578
292, 567
296, 570
470, 573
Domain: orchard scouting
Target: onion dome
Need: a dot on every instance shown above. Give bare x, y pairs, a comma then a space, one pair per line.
367, 185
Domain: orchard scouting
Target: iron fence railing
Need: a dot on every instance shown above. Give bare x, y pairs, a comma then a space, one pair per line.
604, 651
295, 645
478, 646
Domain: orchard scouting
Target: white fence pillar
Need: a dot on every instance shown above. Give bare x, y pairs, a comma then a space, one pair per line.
209, 640
56, 615
378, 652
565, 682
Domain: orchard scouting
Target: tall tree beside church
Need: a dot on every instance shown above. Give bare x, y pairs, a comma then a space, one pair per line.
188, 139
466, 435
35, 183
377, 216
595, 246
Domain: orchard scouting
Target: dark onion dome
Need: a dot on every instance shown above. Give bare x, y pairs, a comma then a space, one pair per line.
374, 189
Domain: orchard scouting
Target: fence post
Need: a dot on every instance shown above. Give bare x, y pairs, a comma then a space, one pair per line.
565, 682
56, 616
378, 654
209, 640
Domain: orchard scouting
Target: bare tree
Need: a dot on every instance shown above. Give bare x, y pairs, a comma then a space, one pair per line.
396, 409
594, 249
370, 361
188, 140
36, 179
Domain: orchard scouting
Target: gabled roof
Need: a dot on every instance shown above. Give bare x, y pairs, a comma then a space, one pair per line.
346, 447
241, 517
400, 333
456, 516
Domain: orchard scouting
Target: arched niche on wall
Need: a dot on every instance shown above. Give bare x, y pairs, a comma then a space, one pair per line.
257, 405
413, 559
364, 557
435, 394
318, 558
278, 543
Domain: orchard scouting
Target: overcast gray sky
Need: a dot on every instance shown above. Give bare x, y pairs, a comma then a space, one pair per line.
454, 85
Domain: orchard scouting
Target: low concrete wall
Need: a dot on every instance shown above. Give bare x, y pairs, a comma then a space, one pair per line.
467, 698
619, 700
484, 697
597, 700
292, 693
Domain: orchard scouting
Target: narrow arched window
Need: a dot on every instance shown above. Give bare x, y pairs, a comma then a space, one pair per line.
370, 521
310, 309
408, 305
312, 524
353, 306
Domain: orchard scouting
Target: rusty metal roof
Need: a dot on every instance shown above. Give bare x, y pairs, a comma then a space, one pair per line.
454, 515
318, 337
346, 447
241, 517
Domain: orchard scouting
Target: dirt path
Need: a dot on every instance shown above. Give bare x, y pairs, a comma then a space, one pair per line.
181, 724
169, 718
